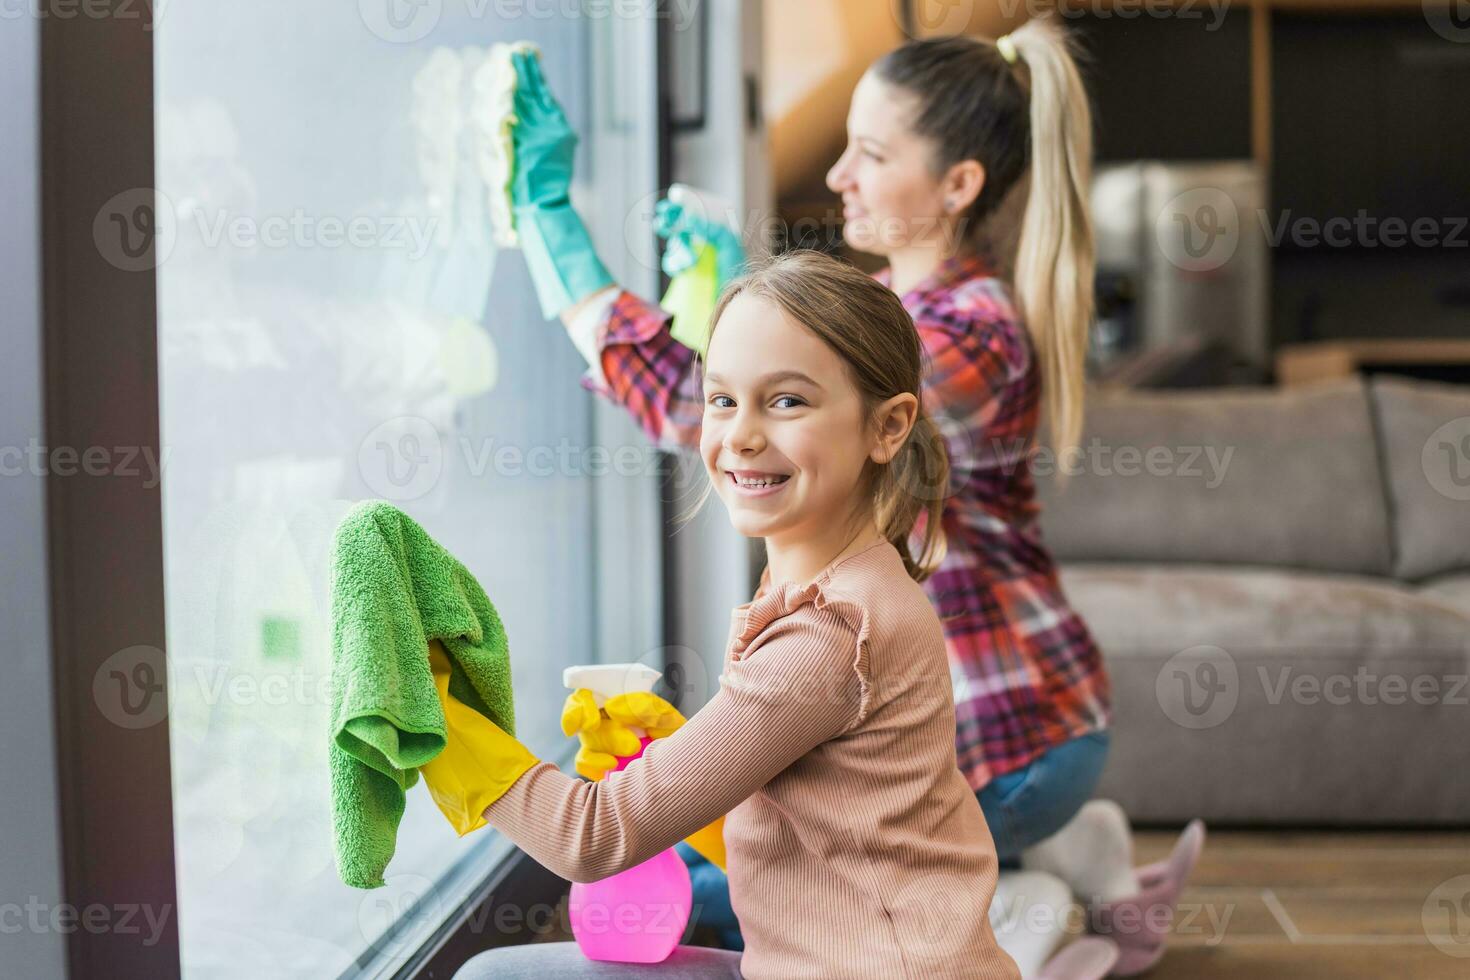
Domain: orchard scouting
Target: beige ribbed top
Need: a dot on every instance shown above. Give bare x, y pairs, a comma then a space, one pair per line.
854, 846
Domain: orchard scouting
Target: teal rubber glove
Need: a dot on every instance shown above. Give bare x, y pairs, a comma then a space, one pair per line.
686, 230
564, 266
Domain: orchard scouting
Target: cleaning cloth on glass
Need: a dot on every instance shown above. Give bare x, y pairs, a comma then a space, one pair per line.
393, 590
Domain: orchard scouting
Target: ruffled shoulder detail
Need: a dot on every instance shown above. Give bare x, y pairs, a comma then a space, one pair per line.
786, 599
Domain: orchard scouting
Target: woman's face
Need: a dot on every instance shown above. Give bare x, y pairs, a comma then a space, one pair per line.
891, 198
799, 425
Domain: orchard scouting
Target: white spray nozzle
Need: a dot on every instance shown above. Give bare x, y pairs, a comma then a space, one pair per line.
609, 680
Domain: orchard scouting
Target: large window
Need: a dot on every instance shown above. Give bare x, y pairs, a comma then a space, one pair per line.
335, 324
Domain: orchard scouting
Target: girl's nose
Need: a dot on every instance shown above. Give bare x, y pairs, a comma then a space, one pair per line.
744, 436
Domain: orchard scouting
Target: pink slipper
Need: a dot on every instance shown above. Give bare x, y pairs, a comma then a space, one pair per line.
1140, 923
1088, 958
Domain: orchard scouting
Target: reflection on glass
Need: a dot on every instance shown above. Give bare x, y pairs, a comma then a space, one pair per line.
336, 324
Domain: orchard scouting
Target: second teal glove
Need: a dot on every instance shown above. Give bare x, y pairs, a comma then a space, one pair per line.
686, 231
563, 263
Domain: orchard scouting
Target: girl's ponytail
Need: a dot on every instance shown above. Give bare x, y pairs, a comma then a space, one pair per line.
1055, 258
910, 500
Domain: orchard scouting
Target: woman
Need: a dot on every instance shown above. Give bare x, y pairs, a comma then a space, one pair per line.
940, 131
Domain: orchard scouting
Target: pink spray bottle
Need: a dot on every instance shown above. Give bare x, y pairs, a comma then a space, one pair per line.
638, 915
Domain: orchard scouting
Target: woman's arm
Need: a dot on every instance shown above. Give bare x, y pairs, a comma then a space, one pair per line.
798, 685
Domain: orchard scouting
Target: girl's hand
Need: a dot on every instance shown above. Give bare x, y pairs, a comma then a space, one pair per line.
606, 733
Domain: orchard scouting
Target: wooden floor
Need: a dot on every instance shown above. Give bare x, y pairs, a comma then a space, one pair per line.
1315, 905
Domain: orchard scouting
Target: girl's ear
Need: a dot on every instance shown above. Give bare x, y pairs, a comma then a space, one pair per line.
895, 418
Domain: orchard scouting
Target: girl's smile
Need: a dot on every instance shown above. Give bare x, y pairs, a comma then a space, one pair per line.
754, 483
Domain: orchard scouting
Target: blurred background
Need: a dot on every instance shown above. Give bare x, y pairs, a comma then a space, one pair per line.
250, 281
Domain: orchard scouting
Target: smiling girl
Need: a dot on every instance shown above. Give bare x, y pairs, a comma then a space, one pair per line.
854, 845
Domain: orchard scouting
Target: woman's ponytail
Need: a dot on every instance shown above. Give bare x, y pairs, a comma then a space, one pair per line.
1056, 255
1019, 107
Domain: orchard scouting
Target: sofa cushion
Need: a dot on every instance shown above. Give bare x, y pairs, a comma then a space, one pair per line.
1249, 476
1452, 589
1425, 432
1265, 696
1156, 610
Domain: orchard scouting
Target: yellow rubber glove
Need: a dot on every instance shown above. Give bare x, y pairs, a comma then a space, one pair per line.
605, 736
478, 763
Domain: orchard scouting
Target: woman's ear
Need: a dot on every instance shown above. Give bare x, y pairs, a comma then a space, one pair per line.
962, 186
896, 417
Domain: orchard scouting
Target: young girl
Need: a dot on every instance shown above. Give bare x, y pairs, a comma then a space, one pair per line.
854, 845
940, 132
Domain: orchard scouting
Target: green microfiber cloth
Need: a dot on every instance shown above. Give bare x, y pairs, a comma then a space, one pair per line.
393, 590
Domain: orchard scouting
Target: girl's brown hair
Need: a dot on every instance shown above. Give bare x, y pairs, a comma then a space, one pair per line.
1030, 118
866, 325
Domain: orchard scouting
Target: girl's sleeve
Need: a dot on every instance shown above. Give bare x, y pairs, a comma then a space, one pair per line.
634, 361
802, 682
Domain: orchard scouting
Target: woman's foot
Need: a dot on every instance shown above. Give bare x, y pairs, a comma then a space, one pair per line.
1093, 853
1089, 958
1140, 923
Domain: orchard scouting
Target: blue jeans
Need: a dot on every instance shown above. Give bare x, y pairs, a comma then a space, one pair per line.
1027, 806
1022, 808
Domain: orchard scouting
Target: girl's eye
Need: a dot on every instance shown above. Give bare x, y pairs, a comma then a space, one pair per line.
872, 156
714, 399
791, 398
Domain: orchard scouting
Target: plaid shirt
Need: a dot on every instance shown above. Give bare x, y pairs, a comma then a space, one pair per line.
1025, 671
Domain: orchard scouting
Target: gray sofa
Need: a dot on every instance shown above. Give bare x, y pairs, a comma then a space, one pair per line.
1279, 580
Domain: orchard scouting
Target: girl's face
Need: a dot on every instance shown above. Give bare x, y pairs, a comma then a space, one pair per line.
778, 404
890, 196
